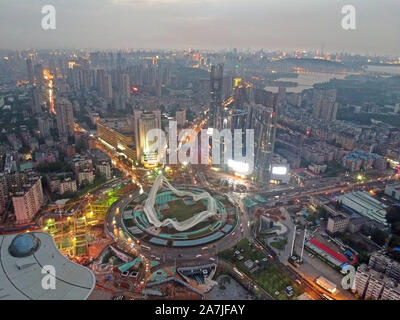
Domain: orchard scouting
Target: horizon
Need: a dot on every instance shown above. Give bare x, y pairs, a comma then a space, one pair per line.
212, 25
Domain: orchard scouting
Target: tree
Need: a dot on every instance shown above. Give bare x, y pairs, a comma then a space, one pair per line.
393, 215
394, 241
378, 236
393, 218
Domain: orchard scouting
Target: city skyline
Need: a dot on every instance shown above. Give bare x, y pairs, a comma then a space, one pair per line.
255, 157
175, 24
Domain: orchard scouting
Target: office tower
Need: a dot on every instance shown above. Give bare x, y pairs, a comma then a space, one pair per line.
216, 83
180, 117
28, 200
263, 119
143, 122
30, 71
324, 104
65, 119
107, 87
36, 100
45, 124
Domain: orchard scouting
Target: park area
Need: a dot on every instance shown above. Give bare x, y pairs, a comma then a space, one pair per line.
181, 211
264, 272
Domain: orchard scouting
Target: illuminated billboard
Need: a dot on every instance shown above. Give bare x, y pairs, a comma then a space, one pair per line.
279, 170
239, 167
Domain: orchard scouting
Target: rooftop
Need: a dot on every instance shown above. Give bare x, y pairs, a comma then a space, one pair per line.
22, 258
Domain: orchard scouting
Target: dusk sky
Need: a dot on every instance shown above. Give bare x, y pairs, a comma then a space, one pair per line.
202, 24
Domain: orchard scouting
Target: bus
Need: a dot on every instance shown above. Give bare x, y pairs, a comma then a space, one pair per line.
326, 284
238, 273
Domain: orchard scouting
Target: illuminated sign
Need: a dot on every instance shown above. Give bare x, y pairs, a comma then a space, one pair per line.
239, 167
279, 170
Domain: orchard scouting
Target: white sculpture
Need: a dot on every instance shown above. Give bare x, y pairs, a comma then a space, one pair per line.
151, 213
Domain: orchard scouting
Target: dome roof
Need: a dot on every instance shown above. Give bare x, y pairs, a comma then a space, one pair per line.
24, 245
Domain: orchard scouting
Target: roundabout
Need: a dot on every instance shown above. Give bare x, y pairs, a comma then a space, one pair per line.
178, 217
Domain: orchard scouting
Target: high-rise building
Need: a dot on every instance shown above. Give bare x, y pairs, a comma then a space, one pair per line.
65, 119
104, 168
30, 71
216, 87
325, 106
45, 124
36, 100
80, 78
100, 80
125, 89
262, 122
28, 200
227, 86
371, 284
39, 76
180, 117
145, 121
384, 264
117, 138
107, 87
263, 117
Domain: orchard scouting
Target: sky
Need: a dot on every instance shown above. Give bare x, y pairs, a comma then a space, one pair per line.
203, 24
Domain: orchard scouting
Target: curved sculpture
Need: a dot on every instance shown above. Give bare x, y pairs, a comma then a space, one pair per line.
151, 213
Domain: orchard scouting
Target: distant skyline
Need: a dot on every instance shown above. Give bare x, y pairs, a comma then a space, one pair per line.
203, 24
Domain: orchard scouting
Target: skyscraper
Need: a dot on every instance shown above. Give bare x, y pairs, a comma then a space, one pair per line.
65, 119
261, 121
143, 122
36, 100
216, 87
263, 118
30, 72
